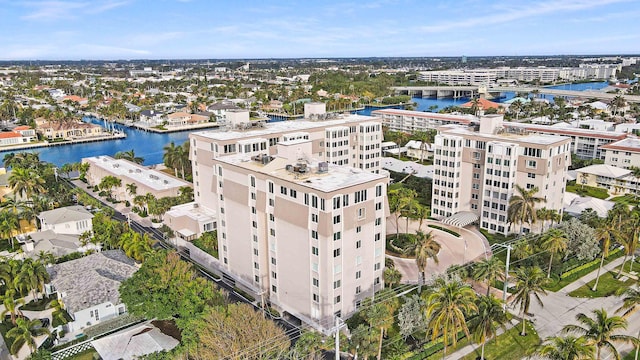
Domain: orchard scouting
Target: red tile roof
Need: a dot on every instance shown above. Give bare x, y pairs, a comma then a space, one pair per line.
484, 104
8, 135
22, 127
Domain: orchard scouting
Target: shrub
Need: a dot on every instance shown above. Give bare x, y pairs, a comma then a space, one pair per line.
444, 229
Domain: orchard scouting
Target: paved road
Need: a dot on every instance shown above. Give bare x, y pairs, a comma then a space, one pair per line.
471, 246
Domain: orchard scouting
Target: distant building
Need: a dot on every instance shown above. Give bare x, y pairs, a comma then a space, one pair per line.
623, 153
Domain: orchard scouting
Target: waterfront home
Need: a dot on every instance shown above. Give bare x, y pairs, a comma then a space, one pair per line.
220, 110
145, 180
179, 118
88, 287
75, 98
68, 130
152, 117
15, 138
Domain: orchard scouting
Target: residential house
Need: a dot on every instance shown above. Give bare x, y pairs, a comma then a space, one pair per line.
69, 131
89, 286
14, 138
220, 109
71, 220
616, 180
134, 342
179, 118
416, 150
152, 117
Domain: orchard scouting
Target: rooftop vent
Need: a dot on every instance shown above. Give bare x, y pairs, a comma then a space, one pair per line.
154, 177
323, 167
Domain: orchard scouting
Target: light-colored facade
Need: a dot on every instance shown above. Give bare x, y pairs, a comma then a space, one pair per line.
68, 131
410, 121
623, 153
616, 180
146, 180
477, 172
301, 210
70, 220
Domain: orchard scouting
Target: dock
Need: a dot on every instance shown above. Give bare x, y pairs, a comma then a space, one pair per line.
43, 144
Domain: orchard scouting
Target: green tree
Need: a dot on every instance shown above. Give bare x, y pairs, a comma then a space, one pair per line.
489, 318
176, 157
9, 224
365, 340
25, 333
380, 315
605, 232
567, 348
108, 183
630, 302
309, 346
132, 189
410, 317
399, 199
392, 276
33, 276
522, 207
446, 308
601, 331
554, 241
12, 305
130, 156
629, 239
427, 248
26, 182
530, 282
223, 333
635, 172
489, 270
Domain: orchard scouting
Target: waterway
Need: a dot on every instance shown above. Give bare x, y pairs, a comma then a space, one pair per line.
150, 145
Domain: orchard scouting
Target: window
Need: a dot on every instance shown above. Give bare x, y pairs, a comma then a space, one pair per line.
377, 237
274, 275
358, 244
274, 289
336, 202
336, 219
272, 232
253, 209
378, 221
379, 190
256, 265
361, 213
253, 181
283, 190
270, 187
254, 224
336, 300
314, 218
358, 274
336, 284
273, 261
358, 229
314, 234
360, 196
376, 267
255, 252
378, 206
314, 250
337, 235
531, 175
316, 282
293, 193
272, 217
532, 164
316, 298
336, 252
358, 290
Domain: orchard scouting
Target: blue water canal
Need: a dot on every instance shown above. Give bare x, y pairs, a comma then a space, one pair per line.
150, 145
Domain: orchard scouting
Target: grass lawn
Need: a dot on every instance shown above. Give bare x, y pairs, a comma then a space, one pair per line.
558, 284
607, 286
628, 199
635, 266
510, 345
630, 356
587, 190
85, 355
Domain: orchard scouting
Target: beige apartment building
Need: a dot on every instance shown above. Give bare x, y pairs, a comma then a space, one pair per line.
410, 121
475, 172
300, 209
623, 153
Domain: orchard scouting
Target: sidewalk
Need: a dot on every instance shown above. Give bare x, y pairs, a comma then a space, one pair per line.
560, 309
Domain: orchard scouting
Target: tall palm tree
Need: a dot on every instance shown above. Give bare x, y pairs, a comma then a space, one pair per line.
392, 276
522, 207
130, 156
489, 270
32, 275
365, 340
529, 282
554, 241
445, 309
399, 199
630, 301
9, 224
601, 331
629, 238
567, 348
25, 333
26, 182
488, 319
380, 315
616, 103
132, 189
427, 248
605, 232
12, 305
635, 172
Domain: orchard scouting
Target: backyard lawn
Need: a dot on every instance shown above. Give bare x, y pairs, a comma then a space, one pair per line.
607, 286
587, 190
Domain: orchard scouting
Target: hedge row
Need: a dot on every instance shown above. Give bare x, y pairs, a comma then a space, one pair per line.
444, 229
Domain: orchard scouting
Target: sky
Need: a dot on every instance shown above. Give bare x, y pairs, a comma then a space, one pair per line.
232, 29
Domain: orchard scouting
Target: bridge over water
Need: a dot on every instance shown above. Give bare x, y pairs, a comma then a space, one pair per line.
494, 91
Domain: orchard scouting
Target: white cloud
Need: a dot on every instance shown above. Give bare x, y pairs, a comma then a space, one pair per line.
60, 10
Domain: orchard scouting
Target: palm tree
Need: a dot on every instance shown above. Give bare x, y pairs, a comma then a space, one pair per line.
108, 183
529, 282
567, 348
25, 333
365, 340
425, 138
132, 189
554, 241
11, 305
630, 301
489, 270
489, 318
522, 207
46, 257
629, 239
9, 224
427, 248
399, 199
309, 346
605, 232
635, 172
392, 276
26, 182
601, 331
380, 315
176, 157
616, 103
130, 156
445, 310
32, 275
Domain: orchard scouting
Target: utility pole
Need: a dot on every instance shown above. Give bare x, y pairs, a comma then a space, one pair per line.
506, 275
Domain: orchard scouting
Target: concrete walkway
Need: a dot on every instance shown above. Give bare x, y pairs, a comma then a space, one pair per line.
455, 251
560, 309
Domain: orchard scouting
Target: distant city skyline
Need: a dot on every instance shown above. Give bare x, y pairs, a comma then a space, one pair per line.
201, 29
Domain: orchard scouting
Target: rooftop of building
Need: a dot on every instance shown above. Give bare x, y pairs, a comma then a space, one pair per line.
630, 144
604, 171
91, 280
193, 211
285, 126
65, 214
305, 172
506, 136
571, 131
122, 168
448, 117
